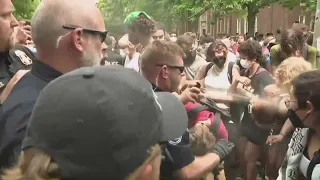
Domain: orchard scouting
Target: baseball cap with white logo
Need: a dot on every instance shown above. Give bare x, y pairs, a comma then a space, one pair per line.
98, 122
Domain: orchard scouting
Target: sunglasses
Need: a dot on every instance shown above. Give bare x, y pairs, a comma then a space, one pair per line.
180, 68
101, 34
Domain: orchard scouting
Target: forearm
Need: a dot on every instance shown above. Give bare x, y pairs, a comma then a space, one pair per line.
286, 128
200, 166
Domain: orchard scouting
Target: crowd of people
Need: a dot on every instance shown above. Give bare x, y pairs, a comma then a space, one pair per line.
78, 104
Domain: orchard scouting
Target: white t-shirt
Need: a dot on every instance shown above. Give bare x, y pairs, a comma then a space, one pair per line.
133, 63
218, 82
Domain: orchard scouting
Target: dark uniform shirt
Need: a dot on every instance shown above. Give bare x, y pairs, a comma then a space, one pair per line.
179, 154
16, 110
20, 57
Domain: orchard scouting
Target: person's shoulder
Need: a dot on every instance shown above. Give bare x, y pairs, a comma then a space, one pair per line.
21, 55
312, 49
275, 48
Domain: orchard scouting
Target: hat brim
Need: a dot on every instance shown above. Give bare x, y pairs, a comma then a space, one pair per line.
175, 118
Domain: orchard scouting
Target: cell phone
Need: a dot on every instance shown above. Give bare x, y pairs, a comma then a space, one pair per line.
198, 85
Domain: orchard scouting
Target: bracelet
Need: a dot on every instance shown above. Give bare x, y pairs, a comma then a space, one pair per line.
282, 134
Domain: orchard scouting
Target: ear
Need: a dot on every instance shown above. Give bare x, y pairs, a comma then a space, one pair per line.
310, 107
77, 39
164, 72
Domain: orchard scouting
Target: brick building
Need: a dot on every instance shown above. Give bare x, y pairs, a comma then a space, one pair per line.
268, 19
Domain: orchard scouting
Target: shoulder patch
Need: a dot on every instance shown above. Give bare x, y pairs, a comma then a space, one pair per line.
23, 57
176, 141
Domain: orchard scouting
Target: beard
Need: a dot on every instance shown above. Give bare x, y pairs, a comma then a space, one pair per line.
90, 58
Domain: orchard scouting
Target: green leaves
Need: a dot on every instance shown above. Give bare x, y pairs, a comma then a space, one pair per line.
24, 9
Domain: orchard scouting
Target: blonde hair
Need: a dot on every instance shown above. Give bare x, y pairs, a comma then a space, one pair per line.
201, 139
34, 164
159, 53
288, 70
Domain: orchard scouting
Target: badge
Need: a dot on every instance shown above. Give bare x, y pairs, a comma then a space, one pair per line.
23, 57
1, 85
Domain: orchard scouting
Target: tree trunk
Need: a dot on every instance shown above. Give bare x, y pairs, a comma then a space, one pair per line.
251, 19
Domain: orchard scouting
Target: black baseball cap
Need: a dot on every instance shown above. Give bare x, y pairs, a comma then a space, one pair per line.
99, 122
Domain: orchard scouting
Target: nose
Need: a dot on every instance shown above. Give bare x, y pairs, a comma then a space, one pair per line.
13, 22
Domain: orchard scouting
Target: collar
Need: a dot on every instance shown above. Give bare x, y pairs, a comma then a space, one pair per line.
44, 71
156, 88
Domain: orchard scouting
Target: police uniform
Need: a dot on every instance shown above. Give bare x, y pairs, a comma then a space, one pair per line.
19, 57
16, 110
177, 154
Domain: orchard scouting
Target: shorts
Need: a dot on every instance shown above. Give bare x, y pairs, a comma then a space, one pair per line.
254, 133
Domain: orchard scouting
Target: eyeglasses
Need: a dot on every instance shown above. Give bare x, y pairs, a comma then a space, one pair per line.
101, 34
180, 68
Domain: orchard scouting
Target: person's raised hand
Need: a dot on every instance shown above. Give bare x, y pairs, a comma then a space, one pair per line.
190, 95
244, 80
23, 33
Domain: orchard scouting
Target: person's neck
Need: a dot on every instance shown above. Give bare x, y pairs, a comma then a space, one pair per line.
253, 69
146, 41
62, 64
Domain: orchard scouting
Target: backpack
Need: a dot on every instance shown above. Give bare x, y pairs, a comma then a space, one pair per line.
230, 65
211, 106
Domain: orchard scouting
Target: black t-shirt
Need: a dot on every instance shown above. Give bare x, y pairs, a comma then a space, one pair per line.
177, 155
260, 80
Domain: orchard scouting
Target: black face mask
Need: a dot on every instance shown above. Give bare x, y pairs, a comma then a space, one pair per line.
295, 119
219, 61
190, 57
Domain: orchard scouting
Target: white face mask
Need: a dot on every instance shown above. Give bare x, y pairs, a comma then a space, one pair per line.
122, 53
244, 63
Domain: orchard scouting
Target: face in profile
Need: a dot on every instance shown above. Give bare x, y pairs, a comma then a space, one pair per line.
7, 24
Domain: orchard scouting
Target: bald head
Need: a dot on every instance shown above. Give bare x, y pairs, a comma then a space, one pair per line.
51, 15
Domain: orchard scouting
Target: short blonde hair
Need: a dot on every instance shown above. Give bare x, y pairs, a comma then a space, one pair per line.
34, 164
288, 70
159, 52
201, 139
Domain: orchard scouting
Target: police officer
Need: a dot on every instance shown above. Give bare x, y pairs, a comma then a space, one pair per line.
12, 57
74, 31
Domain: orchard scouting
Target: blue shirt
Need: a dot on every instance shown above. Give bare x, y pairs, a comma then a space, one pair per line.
16, 110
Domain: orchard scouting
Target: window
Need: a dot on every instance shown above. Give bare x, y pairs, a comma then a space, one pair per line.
302, 19
238, 26
256, 25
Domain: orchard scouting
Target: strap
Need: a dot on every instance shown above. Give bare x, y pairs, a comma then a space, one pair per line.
192, 114
313, 163
230, 66
216, 124
208, 68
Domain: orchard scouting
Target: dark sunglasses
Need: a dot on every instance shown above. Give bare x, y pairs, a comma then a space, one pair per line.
180, 68
101, 34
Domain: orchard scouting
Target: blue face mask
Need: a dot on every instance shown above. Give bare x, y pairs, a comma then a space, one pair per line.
33, 50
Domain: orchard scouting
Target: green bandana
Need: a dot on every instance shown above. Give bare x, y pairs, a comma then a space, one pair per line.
133, 16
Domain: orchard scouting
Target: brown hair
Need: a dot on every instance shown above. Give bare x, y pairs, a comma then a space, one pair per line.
159, 52
184, 40
143, 25
252, 49
201, 139
292, 40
